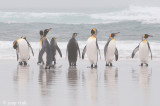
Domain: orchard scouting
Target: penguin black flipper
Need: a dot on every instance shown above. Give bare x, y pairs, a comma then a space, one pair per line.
66, 52
98, 49
41, 52
30, 47
149, 49
59, 51
79, 51
105, 48
83, 53
116, 54
17, 55
134, 51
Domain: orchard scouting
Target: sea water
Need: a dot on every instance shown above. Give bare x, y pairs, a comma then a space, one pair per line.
131, 22
124, 84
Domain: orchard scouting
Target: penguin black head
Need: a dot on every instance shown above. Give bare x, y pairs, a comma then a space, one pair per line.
15, 44
94, 31
145, 36
74, 34
23, 37
112, 35
46, 31
53, 38
41, 33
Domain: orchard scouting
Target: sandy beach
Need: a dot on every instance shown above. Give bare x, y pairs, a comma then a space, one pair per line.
124, 84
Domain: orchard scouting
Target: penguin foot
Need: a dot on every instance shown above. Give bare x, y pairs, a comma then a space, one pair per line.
38, 63
25, 63
47, 67
110, 64
95, 66
146, 64
54, 62
141, 64
107, 64
20, 63
91, 65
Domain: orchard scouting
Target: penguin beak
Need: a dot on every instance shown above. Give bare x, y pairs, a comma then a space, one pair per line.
150, 36
117, 33
49, 29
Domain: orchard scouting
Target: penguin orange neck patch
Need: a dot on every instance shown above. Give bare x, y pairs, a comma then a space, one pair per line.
93, 37
41, 40
144, 41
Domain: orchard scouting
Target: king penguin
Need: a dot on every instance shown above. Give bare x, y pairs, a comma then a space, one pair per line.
41, 39
110, 50
22, 47
72, 50
45, 52
144, 49
92, 49
54, 48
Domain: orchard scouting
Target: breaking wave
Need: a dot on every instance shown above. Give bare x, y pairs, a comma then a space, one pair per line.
145, 15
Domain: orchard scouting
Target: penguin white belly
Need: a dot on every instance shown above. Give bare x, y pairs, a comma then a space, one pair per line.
44, 58
110, 51
23, 50
143, 52
92, 51
44, 55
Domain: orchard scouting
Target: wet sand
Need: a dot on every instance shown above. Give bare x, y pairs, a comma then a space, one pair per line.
124, 84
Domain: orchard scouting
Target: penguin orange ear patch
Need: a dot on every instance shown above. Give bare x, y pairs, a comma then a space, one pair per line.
143, 35
75, 34
94, 30
15, 44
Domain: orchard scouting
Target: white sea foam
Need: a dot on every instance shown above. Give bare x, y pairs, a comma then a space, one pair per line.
145, 15
125, 49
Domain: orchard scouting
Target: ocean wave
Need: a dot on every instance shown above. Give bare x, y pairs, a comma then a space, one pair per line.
145, 15
125, 48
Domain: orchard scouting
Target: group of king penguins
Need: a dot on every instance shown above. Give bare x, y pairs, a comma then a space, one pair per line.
47, 52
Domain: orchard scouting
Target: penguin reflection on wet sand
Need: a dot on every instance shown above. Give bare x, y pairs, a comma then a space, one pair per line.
22, 47
92, 49
144, 49
110, 50
73, 50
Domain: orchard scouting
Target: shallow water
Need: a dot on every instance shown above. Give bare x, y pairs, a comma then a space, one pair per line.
124, 84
